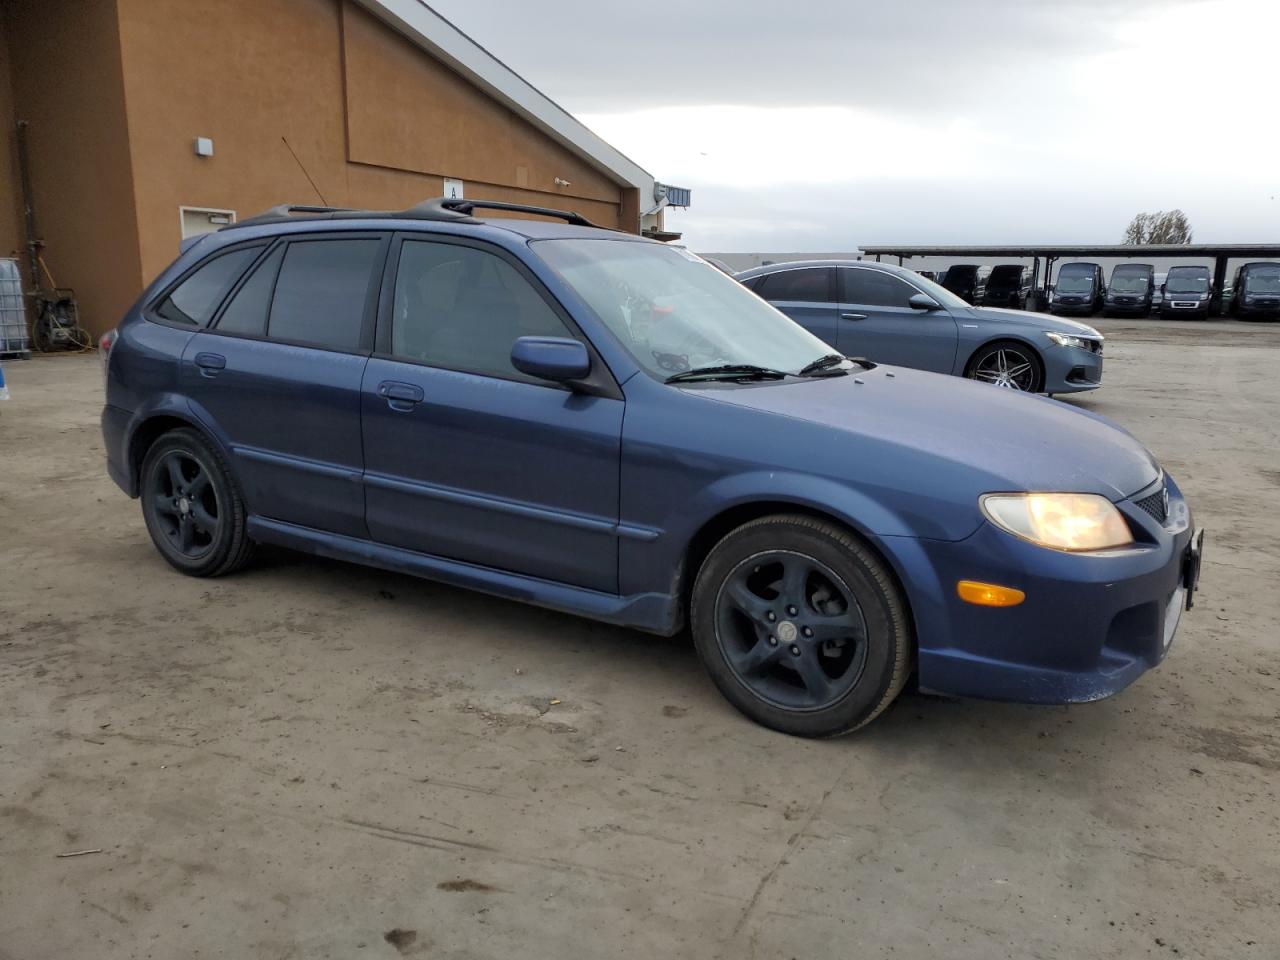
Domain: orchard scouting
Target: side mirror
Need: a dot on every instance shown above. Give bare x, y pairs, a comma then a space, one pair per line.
922, 301
551, 358
1162, 286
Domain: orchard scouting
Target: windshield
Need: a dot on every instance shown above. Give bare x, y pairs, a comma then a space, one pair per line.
1187, 282
1075, 283
939, 293
674, 312
1262, 279
1129, 283
1004, 279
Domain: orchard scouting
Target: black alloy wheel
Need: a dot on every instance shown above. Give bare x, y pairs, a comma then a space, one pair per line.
801, 626
193, 511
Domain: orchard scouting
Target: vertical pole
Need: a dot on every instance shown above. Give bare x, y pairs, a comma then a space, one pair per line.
1219, 284
28, 206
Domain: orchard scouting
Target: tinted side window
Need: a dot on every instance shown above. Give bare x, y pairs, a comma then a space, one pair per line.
874, 288
196, 298
464, 308
321, 292
246, 313
809, 284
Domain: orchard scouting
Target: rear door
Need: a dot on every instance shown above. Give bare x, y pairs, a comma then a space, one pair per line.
806, 295
279, 374
877, 322
466, 457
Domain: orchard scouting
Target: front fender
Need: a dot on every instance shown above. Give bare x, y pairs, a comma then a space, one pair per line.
646, 565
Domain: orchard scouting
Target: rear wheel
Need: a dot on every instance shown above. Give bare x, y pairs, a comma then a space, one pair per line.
1007, 364
191, 506
801, 626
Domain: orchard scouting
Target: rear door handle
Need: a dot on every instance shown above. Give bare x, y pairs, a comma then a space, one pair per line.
210, 364
400, 396
853, 316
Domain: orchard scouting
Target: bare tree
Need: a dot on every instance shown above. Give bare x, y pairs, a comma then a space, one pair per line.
1160, 227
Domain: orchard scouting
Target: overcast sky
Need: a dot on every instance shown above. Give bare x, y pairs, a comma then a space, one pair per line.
819, 125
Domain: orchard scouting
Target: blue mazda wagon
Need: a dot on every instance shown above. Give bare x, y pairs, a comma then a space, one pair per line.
602, 424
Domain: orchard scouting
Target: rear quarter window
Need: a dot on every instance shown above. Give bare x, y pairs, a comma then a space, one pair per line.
196, 298
803, 285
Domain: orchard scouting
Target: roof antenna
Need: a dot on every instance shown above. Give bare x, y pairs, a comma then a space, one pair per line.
304, 171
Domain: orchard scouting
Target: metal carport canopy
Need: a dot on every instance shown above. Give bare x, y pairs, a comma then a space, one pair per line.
1230, 250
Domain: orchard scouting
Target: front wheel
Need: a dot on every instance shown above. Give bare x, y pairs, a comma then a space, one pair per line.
801, 626
191, 506
1013, 366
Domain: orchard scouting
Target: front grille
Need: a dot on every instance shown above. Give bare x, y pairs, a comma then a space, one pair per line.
1156, 504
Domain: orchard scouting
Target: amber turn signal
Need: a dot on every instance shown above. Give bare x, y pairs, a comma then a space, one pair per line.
989, 594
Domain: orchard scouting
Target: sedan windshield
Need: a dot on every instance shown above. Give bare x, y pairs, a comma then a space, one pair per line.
675, 312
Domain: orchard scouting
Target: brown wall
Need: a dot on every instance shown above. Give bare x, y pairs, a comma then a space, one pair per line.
407, 111
248, 72
11, 233
65, 77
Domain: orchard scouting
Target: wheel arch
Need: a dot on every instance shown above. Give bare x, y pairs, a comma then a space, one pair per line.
150, 426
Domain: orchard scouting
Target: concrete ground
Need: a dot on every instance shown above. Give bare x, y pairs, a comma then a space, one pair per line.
316, 760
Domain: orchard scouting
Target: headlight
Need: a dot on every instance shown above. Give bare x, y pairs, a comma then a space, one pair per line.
1064, 340
1061, 521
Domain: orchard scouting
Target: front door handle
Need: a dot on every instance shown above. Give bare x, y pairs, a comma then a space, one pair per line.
853, 316
210, 364
400, 396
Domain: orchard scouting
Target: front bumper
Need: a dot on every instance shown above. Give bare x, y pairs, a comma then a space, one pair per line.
1071, 369
1139, 308
1267, 308
1071, 309
1184, 308
1090, 625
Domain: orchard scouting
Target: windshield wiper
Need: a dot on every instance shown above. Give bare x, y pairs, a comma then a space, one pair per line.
824, 366
728, 371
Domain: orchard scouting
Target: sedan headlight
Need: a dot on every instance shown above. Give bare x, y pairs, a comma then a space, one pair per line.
1065, 340
1061, 521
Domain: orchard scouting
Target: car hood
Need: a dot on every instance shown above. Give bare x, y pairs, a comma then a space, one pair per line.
1041, 321
987, 439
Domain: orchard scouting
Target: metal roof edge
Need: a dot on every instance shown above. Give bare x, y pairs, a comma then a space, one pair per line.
439, 37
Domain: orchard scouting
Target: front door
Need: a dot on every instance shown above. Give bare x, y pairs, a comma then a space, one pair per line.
806, 295
878, 323
279, 374
467, 458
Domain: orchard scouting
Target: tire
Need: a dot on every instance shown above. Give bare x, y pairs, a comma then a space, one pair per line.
984, 366
850, 626
192, 506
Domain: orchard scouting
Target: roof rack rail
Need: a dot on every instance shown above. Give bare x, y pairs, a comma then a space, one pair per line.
467, 206
439, 208
286, 211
